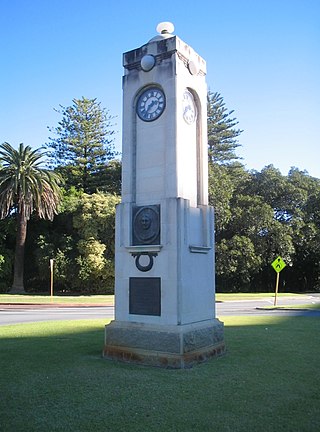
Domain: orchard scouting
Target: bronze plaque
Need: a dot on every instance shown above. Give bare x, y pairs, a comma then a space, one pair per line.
146, 225
145, 296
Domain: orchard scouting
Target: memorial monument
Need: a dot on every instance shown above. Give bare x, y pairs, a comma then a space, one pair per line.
164, 262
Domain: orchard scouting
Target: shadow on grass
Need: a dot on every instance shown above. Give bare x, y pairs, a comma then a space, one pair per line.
53, 378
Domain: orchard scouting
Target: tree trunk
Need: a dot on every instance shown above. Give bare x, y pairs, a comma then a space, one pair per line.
18, 285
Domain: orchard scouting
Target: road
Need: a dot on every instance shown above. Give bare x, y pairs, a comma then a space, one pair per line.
35, 313
255, 307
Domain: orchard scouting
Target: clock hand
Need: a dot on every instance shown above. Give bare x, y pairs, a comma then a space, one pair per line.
152, 103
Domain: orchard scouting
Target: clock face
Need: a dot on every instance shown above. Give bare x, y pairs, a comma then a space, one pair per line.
189, 111
151, 104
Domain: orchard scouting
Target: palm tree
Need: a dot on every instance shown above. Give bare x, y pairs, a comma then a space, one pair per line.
25, 188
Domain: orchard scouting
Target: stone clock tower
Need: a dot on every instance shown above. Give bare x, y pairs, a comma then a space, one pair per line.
165, 292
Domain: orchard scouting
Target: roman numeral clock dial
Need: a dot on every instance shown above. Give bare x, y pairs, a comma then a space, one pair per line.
151, 104
189, 111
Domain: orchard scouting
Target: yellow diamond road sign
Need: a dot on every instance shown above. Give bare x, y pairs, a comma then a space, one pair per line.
278, 264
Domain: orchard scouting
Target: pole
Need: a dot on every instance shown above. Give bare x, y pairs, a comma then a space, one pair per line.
51, 280
276, 292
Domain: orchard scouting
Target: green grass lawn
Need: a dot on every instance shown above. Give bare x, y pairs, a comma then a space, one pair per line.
54, 379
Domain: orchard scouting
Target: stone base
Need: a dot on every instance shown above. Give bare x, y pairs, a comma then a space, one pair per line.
175, 347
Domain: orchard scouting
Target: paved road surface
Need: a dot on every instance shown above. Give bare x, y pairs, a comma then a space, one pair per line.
26, 314
35, 313
255, 307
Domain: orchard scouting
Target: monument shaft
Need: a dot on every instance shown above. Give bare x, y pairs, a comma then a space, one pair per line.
165, 285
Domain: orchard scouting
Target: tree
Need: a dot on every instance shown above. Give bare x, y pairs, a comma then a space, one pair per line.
110, 179
81, 242
25, 187
221, 189
237, 262
255, 226
305, 208
275, 190
83, 144
7, 245
222, 134
95, 224
224, 182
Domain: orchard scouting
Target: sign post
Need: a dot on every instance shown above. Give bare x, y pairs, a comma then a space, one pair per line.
278, 265
51, 279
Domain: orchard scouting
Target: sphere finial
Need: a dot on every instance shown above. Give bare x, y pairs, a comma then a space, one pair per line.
165, 27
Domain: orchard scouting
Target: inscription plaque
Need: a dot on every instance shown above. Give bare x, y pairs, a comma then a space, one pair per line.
145, 296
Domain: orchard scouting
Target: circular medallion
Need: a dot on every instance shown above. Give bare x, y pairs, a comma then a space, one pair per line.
151, 104
193, 67
147, 62
189, 111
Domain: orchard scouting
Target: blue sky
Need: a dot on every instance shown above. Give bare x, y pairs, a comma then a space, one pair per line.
263, 56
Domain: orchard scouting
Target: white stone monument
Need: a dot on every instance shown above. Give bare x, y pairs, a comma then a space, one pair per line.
165, 285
